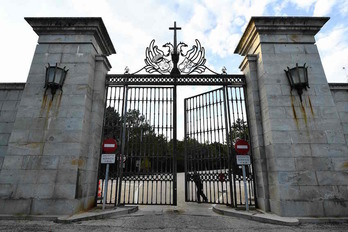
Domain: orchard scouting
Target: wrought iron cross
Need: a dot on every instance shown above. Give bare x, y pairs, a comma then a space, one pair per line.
175, 56
175, 42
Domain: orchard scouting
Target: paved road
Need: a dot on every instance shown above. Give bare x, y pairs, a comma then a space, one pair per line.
184, 217
165, 220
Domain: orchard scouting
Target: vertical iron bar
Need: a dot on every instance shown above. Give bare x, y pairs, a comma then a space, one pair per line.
227, 141
120, 169
186, 143
174, 148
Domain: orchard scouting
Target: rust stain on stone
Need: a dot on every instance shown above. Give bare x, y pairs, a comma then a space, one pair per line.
43, 104
310, 105
78, 162
294, 111
345, 165
304, 114
59, 101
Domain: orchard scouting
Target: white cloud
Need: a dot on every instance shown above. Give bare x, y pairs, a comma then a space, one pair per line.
333, 48
323, 7
304, 4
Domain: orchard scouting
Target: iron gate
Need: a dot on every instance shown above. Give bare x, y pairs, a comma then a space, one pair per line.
141, 115
213, 122
141, 119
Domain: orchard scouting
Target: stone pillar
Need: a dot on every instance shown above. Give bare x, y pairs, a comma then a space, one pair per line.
53, 151
302, 171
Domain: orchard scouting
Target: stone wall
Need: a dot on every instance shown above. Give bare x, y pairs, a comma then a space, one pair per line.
339, 93
10, 96
51, 165
299, 148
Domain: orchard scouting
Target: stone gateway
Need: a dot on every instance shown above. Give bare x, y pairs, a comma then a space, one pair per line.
50, 148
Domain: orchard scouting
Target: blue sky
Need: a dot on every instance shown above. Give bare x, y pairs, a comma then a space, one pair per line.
132, 24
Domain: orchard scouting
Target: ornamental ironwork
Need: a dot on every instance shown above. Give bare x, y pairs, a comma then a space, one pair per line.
175, 59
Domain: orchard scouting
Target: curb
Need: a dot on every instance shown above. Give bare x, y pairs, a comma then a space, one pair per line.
257, 216
97, 215
29, 217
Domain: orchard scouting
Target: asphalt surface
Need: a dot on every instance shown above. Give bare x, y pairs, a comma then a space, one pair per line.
165, 220
184, 217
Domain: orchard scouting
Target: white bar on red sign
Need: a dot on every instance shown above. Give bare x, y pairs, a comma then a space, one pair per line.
242, 146
109, 145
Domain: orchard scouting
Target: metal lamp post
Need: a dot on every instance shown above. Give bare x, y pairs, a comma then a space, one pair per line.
298, 78
55, 77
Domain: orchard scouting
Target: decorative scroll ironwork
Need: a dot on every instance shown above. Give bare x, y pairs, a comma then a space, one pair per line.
157, 60
114, 79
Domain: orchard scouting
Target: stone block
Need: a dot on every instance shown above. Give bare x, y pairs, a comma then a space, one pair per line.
49, 162
12, 162
340, 96
283, 124
17, 206
301, 150
335, 136
19, 136
311, 49
25, 191
10, 176
3, 94
342, 106
41, 48
25, 149
1, 159
318, 137
8, 116
313, 164
62, 149
329, 150
47, 58
300, 137
9, 105
281, 164
340, 164
61, 136
64, 191
332, 177
289, 48
31, 162
4, 138
297, 178
66, 177
47, 176
7, 190
287, 192
78, 58
55, 206
30, 176
13, 95
336, 208
44, 191
69, 162
301, 208
343, 116
6, 127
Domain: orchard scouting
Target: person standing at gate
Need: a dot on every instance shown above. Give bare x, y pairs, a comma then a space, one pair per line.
199, 187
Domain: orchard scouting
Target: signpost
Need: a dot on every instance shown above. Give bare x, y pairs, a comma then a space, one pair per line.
109, 146
242, 148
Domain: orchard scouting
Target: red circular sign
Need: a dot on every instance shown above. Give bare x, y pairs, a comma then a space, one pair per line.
242, 147
109, 145
222, 177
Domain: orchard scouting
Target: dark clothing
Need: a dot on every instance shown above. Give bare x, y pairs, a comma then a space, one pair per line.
199, 187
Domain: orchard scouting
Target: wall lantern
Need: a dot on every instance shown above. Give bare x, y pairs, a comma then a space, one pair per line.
298, 78
55, 77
